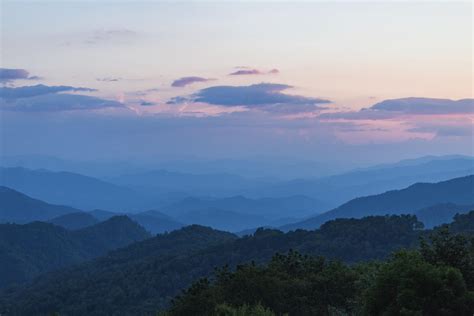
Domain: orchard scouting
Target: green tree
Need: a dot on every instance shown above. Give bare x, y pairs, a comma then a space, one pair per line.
453, 250
408, 285
290, 284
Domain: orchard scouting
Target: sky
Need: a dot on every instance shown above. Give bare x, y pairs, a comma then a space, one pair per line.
325, 81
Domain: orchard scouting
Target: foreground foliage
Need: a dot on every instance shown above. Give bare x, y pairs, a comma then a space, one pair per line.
435, 280
363, 272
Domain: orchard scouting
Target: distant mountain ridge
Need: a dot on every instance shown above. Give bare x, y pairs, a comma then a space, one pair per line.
16, 207
441, 213
286, 202
156, 222
160, 188
295, 206
219, 184
71, 189
421, 160
340, 188
237, 213
409, 200
74, 221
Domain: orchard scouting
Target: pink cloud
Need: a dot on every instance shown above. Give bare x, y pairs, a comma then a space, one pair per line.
253, 71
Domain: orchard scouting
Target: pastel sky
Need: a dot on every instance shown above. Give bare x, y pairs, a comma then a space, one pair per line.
313, 80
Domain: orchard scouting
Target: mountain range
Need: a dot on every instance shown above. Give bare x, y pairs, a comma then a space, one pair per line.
235, 213
418, 196
220, 184
74, 260
156, 189
19, 208
337, 189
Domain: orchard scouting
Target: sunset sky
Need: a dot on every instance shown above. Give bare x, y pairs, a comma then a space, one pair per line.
231, 80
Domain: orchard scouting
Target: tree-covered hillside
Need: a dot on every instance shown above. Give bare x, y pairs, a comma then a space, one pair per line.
29, 250
142, 278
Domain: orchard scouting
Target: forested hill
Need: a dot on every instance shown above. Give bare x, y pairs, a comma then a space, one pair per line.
29, 250
141, 279
406, 201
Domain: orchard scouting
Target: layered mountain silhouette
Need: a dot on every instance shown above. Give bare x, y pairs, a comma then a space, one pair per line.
156, 222
102, 215
238, 212
72, 189
16, 207
74, 221
405, 201
441, 213
220, 184
156, 189
338, 189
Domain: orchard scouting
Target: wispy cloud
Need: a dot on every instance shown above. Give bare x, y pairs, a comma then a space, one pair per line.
248, 71
109, 79
184, 81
